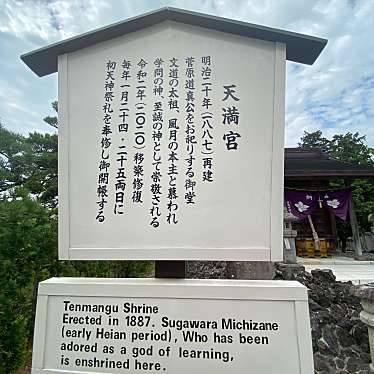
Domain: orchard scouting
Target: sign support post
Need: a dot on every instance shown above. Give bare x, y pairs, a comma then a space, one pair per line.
170, 269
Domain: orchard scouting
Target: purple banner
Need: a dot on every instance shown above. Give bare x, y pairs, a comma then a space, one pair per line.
337, 202
300, 203
303, 203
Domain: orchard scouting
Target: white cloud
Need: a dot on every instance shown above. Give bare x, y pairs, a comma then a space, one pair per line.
335, 94
22, 18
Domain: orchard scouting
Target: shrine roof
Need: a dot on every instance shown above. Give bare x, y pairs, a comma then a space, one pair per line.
303, 163
299, 47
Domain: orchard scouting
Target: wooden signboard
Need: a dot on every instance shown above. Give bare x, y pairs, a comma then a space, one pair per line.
171, 147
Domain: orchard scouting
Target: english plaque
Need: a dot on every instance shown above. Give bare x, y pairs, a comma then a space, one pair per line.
169, 326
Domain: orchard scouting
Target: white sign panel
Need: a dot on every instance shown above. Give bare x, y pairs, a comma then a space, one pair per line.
171, 147
168, 326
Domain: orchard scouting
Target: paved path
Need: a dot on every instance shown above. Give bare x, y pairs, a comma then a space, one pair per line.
344, 268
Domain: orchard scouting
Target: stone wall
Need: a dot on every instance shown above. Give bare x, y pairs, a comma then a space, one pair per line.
340, 339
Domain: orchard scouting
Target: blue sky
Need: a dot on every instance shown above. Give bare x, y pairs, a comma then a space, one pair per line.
335, 95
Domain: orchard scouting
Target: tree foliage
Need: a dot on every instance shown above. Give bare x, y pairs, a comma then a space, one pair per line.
314, 140
27, 250
52, 120
29, 163
348, 147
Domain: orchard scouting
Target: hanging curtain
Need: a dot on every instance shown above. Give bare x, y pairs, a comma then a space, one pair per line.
337, 202
303, 203
300, 203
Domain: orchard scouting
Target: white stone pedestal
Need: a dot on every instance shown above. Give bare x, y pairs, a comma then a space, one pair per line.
172, 326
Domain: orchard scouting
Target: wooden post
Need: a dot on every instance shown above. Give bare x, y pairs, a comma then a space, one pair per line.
355, 229
170, 269
334, 231
315, 235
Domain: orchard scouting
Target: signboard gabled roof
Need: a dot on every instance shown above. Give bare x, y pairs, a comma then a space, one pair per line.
300, 48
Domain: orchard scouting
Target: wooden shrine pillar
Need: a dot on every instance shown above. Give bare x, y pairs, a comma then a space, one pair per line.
334, 231
355, 229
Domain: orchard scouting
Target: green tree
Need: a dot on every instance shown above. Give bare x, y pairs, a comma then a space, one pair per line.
52, 120
29, 162
314, 140
348, 147
351, 148
27, 246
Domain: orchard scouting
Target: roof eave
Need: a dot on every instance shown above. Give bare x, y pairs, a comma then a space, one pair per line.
299, 48
329, 175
